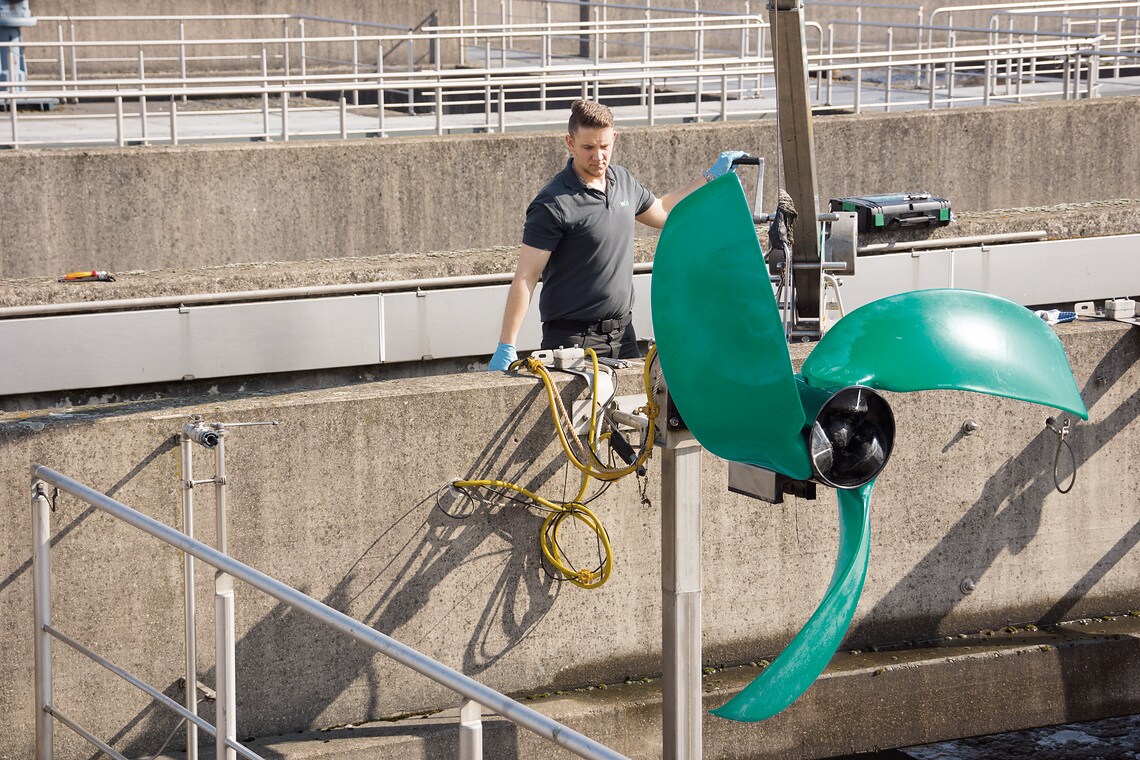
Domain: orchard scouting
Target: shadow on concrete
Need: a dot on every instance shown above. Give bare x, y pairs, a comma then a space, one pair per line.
65, 531
278, 695
426, 738
1007, 515
449, 538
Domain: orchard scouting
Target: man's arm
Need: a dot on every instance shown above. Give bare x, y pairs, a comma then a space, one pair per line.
529, 268
655, 215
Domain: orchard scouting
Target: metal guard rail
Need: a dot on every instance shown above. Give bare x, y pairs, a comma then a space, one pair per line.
471, 690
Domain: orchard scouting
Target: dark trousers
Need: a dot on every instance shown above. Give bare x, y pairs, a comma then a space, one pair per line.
614, 338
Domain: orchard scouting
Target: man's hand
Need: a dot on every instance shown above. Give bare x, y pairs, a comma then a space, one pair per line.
723, 164
504, 356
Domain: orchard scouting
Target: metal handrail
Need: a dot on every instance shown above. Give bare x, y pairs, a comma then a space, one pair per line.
538, 78
470, 689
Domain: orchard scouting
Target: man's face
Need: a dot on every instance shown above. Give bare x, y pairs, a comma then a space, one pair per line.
591, 149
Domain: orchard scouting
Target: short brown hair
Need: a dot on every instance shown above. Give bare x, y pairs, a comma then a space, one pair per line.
589, 114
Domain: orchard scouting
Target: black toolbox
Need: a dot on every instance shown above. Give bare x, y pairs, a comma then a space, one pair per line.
884, 212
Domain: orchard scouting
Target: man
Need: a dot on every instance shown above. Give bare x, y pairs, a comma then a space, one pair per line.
578, 237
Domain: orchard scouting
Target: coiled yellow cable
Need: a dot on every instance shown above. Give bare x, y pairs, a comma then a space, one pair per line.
548, 538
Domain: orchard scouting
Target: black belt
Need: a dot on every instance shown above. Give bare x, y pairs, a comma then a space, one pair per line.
581, 325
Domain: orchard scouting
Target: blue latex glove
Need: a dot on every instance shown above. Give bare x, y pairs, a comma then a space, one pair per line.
504, 356
723, 164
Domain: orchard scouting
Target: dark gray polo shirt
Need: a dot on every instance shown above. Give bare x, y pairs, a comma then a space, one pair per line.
590, 238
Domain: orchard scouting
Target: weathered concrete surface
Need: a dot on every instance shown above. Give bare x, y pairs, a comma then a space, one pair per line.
1099, 218
977, 684
340, 501
200, 206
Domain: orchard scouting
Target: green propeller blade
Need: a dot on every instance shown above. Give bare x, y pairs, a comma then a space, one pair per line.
726, 362
948, 339
807, 655
719, 338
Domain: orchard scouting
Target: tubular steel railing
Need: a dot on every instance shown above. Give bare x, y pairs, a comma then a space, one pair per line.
473, 693
681, 68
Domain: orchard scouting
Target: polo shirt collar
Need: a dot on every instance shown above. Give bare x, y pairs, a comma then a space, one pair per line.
571, 179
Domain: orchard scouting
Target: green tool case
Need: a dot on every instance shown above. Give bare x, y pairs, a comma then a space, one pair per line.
884, 212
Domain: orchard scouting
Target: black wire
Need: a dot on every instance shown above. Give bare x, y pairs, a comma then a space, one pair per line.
506, 495
568, 509
1057, 461
605, 487
439, 505
168, 738
597, 536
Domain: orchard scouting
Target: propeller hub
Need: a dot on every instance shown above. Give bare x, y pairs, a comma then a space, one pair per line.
851, 437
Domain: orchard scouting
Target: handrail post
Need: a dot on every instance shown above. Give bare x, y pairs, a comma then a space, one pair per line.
229, 570
41, 581
470, 730
13, 104
188, 594
182, 54
225, 665
285, 116
265, 92
220, 483
225, 656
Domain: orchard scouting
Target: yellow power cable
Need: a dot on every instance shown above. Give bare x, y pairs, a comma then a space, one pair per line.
604, 474
548, 539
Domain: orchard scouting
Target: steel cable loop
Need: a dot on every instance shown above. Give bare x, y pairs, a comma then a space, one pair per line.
552, 551
1062, 443
1062, 431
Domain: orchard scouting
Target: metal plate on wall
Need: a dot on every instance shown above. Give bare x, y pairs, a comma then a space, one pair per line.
283, 336
91, 351
124, 348
1051, 271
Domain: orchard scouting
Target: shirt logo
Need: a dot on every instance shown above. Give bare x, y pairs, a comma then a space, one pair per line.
624, 203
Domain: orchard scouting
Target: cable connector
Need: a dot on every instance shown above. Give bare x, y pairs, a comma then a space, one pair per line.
572, 358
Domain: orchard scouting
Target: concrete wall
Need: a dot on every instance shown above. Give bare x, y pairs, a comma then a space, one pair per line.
204, 205
340, 500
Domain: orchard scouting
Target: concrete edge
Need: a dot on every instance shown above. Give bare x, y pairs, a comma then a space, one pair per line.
967, 685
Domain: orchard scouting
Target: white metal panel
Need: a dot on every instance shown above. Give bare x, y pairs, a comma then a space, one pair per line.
94, 350
1052, 271
283, 336
642, 306
90, 351
466, 321
448, 323
1055, 271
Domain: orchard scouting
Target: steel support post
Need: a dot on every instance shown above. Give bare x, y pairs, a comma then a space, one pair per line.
41, 603
793, 103
470, 730
224, 604
188, 595
681, 595
225, 666
223, 541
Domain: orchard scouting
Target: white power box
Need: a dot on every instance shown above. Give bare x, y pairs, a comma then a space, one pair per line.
1119, 308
